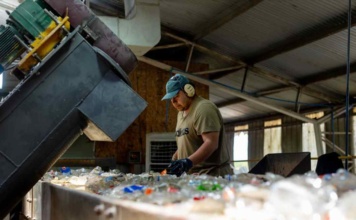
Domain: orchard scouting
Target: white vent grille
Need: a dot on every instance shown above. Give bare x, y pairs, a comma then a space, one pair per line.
160, 148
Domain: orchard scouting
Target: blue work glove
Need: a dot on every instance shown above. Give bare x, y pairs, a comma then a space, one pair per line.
178, 167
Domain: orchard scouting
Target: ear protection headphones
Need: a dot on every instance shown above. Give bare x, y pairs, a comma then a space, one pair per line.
189, 90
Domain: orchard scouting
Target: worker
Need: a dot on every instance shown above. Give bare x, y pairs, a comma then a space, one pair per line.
200, 134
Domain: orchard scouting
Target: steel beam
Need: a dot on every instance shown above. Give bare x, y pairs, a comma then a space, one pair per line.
226, 89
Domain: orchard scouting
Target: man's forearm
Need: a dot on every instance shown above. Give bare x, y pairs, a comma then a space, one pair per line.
210, 144
175, 156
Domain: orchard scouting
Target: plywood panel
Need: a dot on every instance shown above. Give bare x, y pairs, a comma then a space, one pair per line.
159, 116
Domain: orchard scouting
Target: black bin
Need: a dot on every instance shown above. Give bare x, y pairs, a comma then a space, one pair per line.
284, 164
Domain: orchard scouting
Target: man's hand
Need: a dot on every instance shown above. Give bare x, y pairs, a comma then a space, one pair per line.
178, 167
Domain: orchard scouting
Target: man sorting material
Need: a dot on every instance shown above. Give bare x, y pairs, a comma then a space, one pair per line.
200, 133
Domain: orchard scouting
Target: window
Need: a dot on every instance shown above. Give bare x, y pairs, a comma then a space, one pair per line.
241, 147
272, 137
309, 142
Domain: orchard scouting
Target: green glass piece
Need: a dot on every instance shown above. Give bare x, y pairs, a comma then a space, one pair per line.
216, 187
206, 186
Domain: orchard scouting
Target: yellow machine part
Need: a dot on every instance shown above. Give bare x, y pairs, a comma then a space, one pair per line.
44, 43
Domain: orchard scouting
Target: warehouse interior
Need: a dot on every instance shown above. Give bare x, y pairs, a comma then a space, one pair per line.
280, 72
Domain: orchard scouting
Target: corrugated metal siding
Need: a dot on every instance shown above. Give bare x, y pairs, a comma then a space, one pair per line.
285, 100
339, 84
259, 28
274, 21
311, 59
248, 109
231, 112
188, 15
338, 126
288, 99
291, 135
270, 22
253, 83
234, 81
255, 142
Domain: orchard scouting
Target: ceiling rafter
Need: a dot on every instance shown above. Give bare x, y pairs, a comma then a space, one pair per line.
306, 81
305, 90
255, 70
274, 90
266, 92
224, 17
168, 46
229, 102
108, 8
226, 89
320, 31
235, 68
189, 58
215, 76
276, 115
328, 74
256, 94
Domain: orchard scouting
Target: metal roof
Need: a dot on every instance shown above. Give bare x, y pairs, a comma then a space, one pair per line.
292, 44
290, 54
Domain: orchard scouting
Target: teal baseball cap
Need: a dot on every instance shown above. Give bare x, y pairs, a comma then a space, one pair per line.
174, 84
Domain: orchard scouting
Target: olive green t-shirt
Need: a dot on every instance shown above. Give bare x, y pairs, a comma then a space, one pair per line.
203, 117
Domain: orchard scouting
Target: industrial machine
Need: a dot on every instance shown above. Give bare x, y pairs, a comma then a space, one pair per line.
73, 80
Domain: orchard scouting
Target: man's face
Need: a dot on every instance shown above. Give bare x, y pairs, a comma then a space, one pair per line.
181, 101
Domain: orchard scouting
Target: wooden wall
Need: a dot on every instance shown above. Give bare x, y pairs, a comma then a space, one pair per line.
159, 116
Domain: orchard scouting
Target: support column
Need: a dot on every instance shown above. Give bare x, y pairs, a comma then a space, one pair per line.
319, 146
